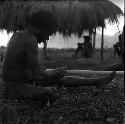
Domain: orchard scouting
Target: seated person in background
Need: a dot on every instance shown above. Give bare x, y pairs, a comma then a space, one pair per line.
118, 47
2, 51
79, 49
87, 47
21, 72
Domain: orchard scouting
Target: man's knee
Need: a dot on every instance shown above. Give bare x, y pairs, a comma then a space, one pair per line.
14, 90
25, 91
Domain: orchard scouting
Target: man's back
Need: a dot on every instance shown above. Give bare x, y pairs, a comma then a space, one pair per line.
15, 66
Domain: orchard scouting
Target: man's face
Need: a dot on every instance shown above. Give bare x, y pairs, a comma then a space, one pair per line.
41, 36
43, 40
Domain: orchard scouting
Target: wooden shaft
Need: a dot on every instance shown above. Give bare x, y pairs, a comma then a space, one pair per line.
93, 72
86, 72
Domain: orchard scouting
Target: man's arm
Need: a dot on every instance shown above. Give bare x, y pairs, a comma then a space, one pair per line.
38, 73
32, 54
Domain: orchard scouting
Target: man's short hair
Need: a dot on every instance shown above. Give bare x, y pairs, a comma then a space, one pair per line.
44, 20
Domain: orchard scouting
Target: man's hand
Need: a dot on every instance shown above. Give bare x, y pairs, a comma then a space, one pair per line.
57, 73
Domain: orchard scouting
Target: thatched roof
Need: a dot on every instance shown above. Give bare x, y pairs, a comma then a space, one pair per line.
71, 16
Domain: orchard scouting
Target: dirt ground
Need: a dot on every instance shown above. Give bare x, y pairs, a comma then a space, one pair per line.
76, 105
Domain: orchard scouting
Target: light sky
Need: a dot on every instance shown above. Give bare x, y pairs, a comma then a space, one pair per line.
110, 29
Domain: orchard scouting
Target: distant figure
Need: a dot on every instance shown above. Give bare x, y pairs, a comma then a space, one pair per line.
2, 51
79, 49
118, 47
87, 47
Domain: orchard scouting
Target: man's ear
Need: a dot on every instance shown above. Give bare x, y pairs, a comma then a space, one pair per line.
39, 41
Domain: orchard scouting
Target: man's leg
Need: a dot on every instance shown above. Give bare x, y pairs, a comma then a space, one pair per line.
74, 81
15, 91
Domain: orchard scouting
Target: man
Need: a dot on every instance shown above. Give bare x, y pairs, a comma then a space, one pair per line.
21, 67
118, 47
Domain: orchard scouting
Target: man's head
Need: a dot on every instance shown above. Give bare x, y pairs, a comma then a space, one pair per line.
43, 24
87, 38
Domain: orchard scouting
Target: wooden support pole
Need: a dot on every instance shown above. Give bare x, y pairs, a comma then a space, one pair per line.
102, 43
94, 39
45, 49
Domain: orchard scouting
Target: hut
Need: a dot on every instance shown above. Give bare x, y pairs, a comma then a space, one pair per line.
71, 16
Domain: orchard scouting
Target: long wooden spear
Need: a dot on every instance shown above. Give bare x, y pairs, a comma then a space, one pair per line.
91, 72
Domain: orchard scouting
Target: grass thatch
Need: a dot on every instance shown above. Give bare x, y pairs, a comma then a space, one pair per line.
71, 16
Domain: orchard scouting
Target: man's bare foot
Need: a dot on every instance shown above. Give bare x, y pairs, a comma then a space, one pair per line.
52, 93
106, 80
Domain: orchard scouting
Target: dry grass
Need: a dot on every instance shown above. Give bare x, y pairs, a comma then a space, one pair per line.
60, 57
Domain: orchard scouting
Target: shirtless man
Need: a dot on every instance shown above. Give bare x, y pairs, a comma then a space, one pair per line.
21, 66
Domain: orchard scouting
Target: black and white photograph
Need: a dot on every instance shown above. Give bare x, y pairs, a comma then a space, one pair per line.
62, 62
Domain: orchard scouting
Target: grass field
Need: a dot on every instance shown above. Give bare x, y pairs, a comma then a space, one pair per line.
61, 57
76, 105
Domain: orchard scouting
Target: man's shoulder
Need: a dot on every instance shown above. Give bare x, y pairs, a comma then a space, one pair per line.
29, 36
